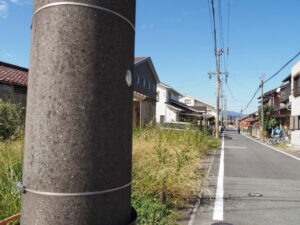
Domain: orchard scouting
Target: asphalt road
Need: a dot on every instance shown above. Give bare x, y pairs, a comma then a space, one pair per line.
251, 168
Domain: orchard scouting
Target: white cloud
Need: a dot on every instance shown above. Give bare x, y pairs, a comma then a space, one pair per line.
147, 26
3, 9
20, 2
8, 55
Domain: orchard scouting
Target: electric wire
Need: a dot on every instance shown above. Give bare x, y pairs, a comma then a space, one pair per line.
228, 29
285, 65
210, 19
214, 25
231, 93
251, 99
271, 77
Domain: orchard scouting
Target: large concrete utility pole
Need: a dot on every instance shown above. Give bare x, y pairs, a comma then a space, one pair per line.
218, 74
77, 159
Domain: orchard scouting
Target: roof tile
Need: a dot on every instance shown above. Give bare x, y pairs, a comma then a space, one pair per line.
13, 74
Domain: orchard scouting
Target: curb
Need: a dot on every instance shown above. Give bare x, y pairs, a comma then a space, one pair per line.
198, 202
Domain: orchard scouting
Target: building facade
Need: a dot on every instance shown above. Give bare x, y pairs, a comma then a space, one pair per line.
295, 103
13, 83
165, 110
144, 95
194, 102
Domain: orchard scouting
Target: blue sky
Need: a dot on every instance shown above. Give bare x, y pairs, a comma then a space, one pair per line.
177, 35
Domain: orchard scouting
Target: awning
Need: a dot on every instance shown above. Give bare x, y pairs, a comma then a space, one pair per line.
289, 106
138, 97
173, 107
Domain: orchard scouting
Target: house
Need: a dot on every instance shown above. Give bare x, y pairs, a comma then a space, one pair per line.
207, 111
144, 94
13, 87
295, 105
13, 83
283, 111
166, 108
278, 99
246, 121
251, 124
193, 102
169, 108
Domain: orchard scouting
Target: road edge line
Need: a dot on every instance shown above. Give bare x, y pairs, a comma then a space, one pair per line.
193, 213
276, 149
219, 201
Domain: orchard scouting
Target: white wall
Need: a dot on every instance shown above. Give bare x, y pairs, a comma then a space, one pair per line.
162, 109
295, 134
210, 110
171, 115
184, 98
295, 137
160, 104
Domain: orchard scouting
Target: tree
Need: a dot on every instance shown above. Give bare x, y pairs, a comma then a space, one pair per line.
270, 121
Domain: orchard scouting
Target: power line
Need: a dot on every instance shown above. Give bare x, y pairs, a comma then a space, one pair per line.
220, 24
282, 67
285, 65
228, 29
214, 24
252, 98
231, 93
210, 18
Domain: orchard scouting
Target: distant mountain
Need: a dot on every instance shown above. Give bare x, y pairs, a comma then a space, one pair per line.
235, 114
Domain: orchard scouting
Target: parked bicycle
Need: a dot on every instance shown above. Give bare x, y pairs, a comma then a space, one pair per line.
278, 140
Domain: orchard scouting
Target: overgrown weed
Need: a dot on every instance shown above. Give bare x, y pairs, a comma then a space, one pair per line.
166, 170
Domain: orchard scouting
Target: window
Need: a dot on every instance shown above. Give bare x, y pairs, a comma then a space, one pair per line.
144, 83
297, 86
149, 85
6, 88
153, 88
137, 79
295, 122
187, 101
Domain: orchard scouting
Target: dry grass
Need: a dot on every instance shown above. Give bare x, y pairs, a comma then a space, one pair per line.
166, 172
166, 164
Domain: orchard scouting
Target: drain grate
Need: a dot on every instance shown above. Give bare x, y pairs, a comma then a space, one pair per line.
222, 223
255, 195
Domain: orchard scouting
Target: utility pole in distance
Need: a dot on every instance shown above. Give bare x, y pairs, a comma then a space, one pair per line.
77, 158
225, 109
218, 74
262, 107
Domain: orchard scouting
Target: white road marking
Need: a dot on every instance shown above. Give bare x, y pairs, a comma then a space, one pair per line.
219, 203
292, 156
193, 215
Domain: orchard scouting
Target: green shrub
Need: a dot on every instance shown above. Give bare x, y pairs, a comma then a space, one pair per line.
10, 174
11, 120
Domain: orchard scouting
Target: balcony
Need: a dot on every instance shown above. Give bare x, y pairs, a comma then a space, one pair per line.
296, 91
284, 94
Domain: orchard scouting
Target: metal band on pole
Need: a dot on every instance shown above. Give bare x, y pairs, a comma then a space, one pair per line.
24, 190
84, 5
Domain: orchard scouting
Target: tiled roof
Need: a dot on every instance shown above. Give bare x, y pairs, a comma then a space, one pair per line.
13, 74
199, 108
18, 75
